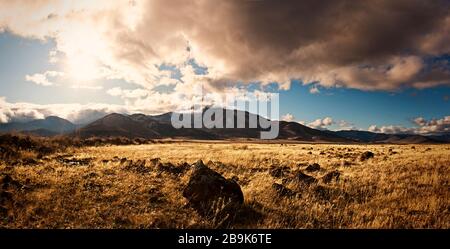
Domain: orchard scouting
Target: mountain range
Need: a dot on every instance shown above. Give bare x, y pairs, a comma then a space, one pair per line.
159, 126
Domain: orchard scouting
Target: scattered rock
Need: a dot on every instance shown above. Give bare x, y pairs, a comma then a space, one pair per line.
301, 179
282, 190
170, 168
6, 181
137, 167
366, 155
210, 194
330, 176
90, 175
3, 211
346, 164
313, 167
155, 196
74, 161
29, 161
322, 192
5, 197
278, 172
155, 161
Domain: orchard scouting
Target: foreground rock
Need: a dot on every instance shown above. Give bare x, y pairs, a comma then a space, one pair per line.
211, 195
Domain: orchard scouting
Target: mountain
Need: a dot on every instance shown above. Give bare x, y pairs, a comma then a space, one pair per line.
116, 125
50, 125
159, 126
371, 137
296, 131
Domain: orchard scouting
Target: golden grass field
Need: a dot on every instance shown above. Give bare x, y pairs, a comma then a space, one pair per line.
402, 186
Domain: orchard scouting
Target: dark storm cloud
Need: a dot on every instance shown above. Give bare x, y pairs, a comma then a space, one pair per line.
349, 43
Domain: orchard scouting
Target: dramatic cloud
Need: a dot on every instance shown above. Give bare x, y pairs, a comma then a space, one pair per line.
423, 126
369, 45
288, 117
44, 78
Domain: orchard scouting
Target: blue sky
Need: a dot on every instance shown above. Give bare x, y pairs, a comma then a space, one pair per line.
22, 56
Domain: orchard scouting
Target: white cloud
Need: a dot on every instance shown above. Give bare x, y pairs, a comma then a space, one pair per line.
128, 94
288, 117
321, 123
423, 127
345, 125
43, 78
77, 113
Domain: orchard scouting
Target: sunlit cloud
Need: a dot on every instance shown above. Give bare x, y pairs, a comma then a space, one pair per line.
288, 117
129, 39
422, 126
43, 79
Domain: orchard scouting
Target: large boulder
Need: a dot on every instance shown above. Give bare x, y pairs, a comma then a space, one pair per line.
210, 194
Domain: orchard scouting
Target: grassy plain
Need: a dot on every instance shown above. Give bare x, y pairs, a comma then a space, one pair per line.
121, 186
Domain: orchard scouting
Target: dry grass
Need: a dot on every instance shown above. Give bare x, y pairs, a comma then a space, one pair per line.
402, 186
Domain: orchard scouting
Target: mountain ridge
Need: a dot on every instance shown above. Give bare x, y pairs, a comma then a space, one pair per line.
140, 125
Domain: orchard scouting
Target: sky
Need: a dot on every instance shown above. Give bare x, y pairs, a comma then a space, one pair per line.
381, 66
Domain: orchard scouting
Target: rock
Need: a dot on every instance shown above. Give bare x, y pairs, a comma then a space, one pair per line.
282, 190
313, 167
170, 168
155, 161
7, 181
137, 167
5, 197
29, 161
278, 172
210, 194
74, 161
346, 164
301, 179
366, 155
3, 211
330, 176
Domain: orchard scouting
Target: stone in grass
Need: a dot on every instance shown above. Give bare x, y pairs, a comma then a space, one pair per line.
211, 195
313, 167
366, 155
330, 176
